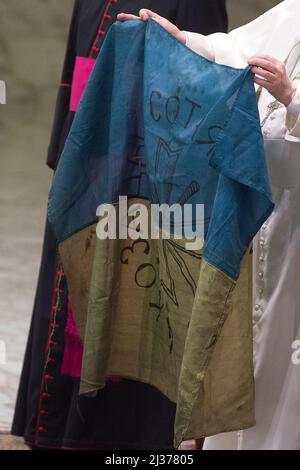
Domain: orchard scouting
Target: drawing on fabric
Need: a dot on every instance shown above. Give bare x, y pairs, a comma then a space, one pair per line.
136, 164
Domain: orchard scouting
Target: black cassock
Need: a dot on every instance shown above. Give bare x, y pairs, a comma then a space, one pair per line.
49, 411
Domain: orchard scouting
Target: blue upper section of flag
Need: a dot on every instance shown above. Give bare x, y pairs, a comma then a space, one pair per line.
161, 123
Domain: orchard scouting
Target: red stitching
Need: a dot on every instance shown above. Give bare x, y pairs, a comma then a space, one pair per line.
49, 377
52, 327
100, 33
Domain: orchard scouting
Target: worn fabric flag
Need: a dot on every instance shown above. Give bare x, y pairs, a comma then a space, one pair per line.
164, 126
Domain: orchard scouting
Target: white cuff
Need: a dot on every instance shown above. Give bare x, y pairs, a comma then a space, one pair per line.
293, 115
200, 44
294, 106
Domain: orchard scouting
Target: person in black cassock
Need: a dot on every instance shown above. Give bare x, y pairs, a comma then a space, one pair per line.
49, 411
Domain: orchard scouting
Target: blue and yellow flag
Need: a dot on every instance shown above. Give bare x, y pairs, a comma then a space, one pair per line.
163, 126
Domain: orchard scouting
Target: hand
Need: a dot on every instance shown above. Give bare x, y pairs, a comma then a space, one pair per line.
145, 14
271, 74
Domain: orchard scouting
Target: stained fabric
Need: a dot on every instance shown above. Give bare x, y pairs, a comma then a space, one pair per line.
190, 136
49, 411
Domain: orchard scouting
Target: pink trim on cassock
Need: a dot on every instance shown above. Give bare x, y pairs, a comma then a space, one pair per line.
82, 72
53, 325
73, 353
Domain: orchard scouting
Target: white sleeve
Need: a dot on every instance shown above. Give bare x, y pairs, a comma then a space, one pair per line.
293, 114
200, 44
234, 48
261, 36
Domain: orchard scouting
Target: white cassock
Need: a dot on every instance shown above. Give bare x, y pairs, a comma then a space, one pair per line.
276, 306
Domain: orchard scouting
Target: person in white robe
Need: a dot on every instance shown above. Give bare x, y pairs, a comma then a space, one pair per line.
271, 44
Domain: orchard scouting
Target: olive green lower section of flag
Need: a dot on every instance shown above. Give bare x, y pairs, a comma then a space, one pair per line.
151, 311
216, 384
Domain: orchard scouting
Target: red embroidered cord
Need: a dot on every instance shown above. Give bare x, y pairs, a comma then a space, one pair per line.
100, 33
48, 359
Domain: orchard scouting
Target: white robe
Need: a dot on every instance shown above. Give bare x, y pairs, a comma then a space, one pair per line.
276, 306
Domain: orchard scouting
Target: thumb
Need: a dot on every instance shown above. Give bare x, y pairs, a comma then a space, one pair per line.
146, 14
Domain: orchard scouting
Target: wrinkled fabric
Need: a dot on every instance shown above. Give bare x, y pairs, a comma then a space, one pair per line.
126, 415
226, 123
176, 129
